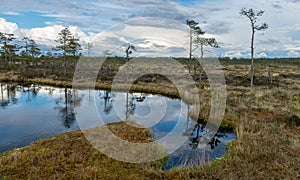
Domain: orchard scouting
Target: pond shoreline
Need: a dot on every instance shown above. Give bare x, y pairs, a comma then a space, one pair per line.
267, 143
66, 102
15, 84
167, 91
70, 155
225, 126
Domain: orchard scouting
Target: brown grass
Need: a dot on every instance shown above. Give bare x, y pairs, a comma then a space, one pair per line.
70, 156
264, 118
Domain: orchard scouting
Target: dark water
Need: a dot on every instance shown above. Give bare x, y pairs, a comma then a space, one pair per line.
30, 113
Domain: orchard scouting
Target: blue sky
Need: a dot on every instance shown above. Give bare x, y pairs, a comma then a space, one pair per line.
27, 20
157, 26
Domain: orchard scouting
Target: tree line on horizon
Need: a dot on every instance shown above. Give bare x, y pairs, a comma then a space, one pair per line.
11, 46
68, 44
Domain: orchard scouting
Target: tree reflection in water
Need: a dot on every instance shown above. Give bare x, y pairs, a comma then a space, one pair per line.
108, 99
131, 99
37, 97
199, 135
66, 106
8, 95
131, 102
32, 91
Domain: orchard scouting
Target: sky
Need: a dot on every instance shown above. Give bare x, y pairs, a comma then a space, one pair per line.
156, 27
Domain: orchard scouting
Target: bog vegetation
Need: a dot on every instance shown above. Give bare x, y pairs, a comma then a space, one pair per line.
265, 117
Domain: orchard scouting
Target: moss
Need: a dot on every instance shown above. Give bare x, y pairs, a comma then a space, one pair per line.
70, 155
226, 127
267, 144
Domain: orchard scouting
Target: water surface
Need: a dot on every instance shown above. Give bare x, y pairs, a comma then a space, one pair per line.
30, 113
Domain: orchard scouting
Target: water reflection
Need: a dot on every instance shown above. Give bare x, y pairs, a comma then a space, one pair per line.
65, 100
131, 100
108, 99
202, 146
8, 95
32, 112
202, 135
65, 106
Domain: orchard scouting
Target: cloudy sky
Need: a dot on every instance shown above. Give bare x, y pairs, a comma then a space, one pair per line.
156, 27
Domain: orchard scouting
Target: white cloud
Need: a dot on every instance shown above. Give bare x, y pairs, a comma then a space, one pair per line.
232, 54
149, 35
219, 19
11, 13
282, 22
262, 54
8, 27
294, 53
44, 36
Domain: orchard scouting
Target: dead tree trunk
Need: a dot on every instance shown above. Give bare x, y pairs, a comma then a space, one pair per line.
252, 53
270, 74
